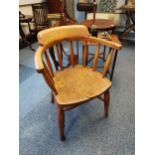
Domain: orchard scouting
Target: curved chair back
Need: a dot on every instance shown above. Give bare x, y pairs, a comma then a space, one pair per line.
54, 37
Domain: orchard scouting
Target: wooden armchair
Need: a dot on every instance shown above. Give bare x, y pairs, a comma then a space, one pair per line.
76, 84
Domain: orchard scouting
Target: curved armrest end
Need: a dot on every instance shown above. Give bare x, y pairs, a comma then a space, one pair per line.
38, 60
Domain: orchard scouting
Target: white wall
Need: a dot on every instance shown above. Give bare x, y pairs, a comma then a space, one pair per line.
28, 2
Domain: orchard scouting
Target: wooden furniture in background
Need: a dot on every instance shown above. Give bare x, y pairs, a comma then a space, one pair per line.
99, 25
76, 84
55, 6
59, 16
25, 19
130, 12
40, 12
86, 7
58, 12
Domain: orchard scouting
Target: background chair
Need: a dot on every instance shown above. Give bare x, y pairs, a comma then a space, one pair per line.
40, 12
76, 84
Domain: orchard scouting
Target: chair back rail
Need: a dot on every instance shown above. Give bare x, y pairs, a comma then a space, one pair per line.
71, 53
85, 53
96, 56
55, 36
49, 64
59, 54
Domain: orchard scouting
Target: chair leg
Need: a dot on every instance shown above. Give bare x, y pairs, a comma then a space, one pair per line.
52, 98
61, 123
106, 102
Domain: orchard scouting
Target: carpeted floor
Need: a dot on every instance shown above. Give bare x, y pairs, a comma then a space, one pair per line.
87, 131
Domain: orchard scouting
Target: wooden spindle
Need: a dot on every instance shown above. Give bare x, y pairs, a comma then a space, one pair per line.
49, 63
47, 70
47, 76
59, 53
96, 57
85, 54
52, 54
61, 49
71, 54
107, 63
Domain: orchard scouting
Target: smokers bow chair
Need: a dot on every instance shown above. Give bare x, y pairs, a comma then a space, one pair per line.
75, 84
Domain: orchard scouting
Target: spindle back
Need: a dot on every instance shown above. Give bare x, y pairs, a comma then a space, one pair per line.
53, 38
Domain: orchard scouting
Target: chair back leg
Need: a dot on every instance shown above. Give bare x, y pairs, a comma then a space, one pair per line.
106, 102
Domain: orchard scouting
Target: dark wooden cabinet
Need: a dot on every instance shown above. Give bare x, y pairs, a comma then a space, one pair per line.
55, 6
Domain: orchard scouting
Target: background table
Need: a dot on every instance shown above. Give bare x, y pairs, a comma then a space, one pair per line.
25, 19
99, 25
129, 11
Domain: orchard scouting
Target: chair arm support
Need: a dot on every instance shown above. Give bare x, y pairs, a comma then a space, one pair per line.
39, 66
104, 42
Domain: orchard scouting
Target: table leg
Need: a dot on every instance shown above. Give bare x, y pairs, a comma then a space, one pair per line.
126, 31
130, 27
132, 19
24, 37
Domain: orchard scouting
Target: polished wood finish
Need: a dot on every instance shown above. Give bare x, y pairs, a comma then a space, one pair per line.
83, 81
76, 84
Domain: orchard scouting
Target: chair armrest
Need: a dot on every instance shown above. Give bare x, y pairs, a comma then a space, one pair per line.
105, 42
38, 59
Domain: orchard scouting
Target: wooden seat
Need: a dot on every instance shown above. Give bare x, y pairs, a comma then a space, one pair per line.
89, 84
78, 83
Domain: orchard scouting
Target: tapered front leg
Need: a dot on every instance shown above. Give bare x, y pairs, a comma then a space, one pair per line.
61, 122
106, 102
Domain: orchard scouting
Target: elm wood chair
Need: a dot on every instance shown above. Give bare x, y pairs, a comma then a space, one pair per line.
76, 84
